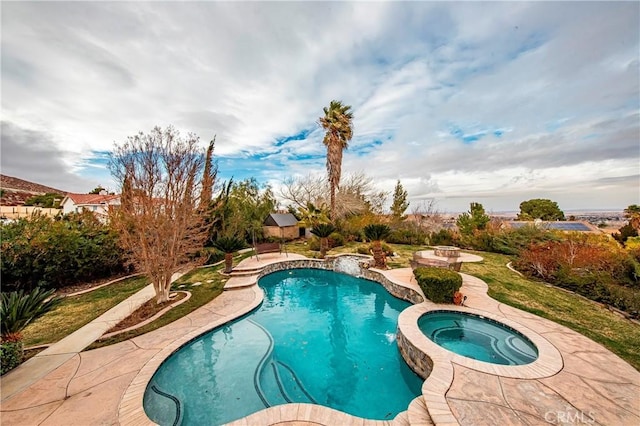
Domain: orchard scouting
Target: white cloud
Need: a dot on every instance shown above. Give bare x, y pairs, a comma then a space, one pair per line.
558, 81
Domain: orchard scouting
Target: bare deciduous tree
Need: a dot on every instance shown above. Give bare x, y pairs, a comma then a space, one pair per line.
427, 216
356, 194
159, 219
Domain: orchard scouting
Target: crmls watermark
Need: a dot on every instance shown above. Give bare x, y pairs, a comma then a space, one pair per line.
570, 417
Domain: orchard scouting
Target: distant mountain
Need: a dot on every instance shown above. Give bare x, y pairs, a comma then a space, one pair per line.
16, 191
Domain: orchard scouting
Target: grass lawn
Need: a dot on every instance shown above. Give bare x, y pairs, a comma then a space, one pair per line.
74, 312
617, 334
200, 295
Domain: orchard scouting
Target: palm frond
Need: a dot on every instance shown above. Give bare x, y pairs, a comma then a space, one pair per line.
18, 309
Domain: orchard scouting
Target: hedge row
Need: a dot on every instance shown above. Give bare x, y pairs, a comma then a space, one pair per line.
49, 253
438, 284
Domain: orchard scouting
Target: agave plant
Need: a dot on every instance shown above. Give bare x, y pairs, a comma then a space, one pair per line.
377, 232
19, 309
323, 231
228, 245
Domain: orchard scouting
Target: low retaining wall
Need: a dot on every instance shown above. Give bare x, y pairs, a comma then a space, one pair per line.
399, 291
361, 261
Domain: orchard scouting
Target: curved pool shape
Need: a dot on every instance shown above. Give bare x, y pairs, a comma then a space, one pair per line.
478, 337
319, 337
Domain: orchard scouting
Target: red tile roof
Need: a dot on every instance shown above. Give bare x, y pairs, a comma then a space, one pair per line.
91, 198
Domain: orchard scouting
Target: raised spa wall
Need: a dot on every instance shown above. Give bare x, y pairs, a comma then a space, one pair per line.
360, 267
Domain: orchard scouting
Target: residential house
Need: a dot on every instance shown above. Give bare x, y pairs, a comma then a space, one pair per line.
98, 204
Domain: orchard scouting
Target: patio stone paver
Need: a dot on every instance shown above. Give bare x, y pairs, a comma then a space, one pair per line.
533, 397
103, 398
135, 361
104, 386
34, 415
53, 387
476, 385
479, 413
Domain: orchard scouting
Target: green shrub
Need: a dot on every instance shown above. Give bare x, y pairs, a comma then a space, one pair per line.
363, 250
590, 265
336, 240
438, 284
600, 287
388, 251
211, 255
10, 356
506, 241
406, 235
40, 251
313, 243
625, 232
443, 237
48, 200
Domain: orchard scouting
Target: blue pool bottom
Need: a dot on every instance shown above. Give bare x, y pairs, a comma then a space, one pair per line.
477, 337
318, 337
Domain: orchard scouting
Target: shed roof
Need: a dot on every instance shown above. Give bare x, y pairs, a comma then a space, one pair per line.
281, 220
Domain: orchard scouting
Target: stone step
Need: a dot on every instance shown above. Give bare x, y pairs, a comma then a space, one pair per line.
418, 413
402, 419
244, 273
239, 282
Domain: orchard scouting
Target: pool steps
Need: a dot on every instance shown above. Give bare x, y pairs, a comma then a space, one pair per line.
275, 382
173, 402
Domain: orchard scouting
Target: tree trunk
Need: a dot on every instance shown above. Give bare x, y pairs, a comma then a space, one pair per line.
332, 214
228, 262
163, 288
323, 247
378, 255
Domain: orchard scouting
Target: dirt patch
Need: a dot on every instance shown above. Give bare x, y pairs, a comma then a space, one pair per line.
30, 353
86, 286
144, 312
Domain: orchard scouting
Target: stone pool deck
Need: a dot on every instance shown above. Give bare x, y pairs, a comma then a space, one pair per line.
589, 385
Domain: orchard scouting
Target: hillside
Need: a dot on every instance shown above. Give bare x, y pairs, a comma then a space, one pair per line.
16, 191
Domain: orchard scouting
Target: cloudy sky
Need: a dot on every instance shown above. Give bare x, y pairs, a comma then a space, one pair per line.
490, 102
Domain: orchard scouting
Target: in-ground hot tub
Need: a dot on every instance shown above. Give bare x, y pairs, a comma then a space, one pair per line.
477, 337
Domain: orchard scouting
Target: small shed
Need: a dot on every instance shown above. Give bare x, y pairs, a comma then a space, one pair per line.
281, 225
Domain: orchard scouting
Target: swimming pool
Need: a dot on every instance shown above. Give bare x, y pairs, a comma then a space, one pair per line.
318, 337
478, 337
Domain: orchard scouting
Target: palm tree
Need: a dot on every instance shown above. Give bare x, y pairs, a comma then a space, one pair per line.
228, 245
377, 232
323, 231
312, 215
338, 124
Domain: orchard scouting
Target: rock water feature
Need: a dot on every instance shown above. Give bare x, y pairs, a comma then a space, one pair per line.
349, 265
363, 263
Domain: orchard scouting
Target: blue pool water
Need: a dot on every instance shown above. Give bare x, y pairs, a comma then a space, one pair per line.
318, 337
478, 338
